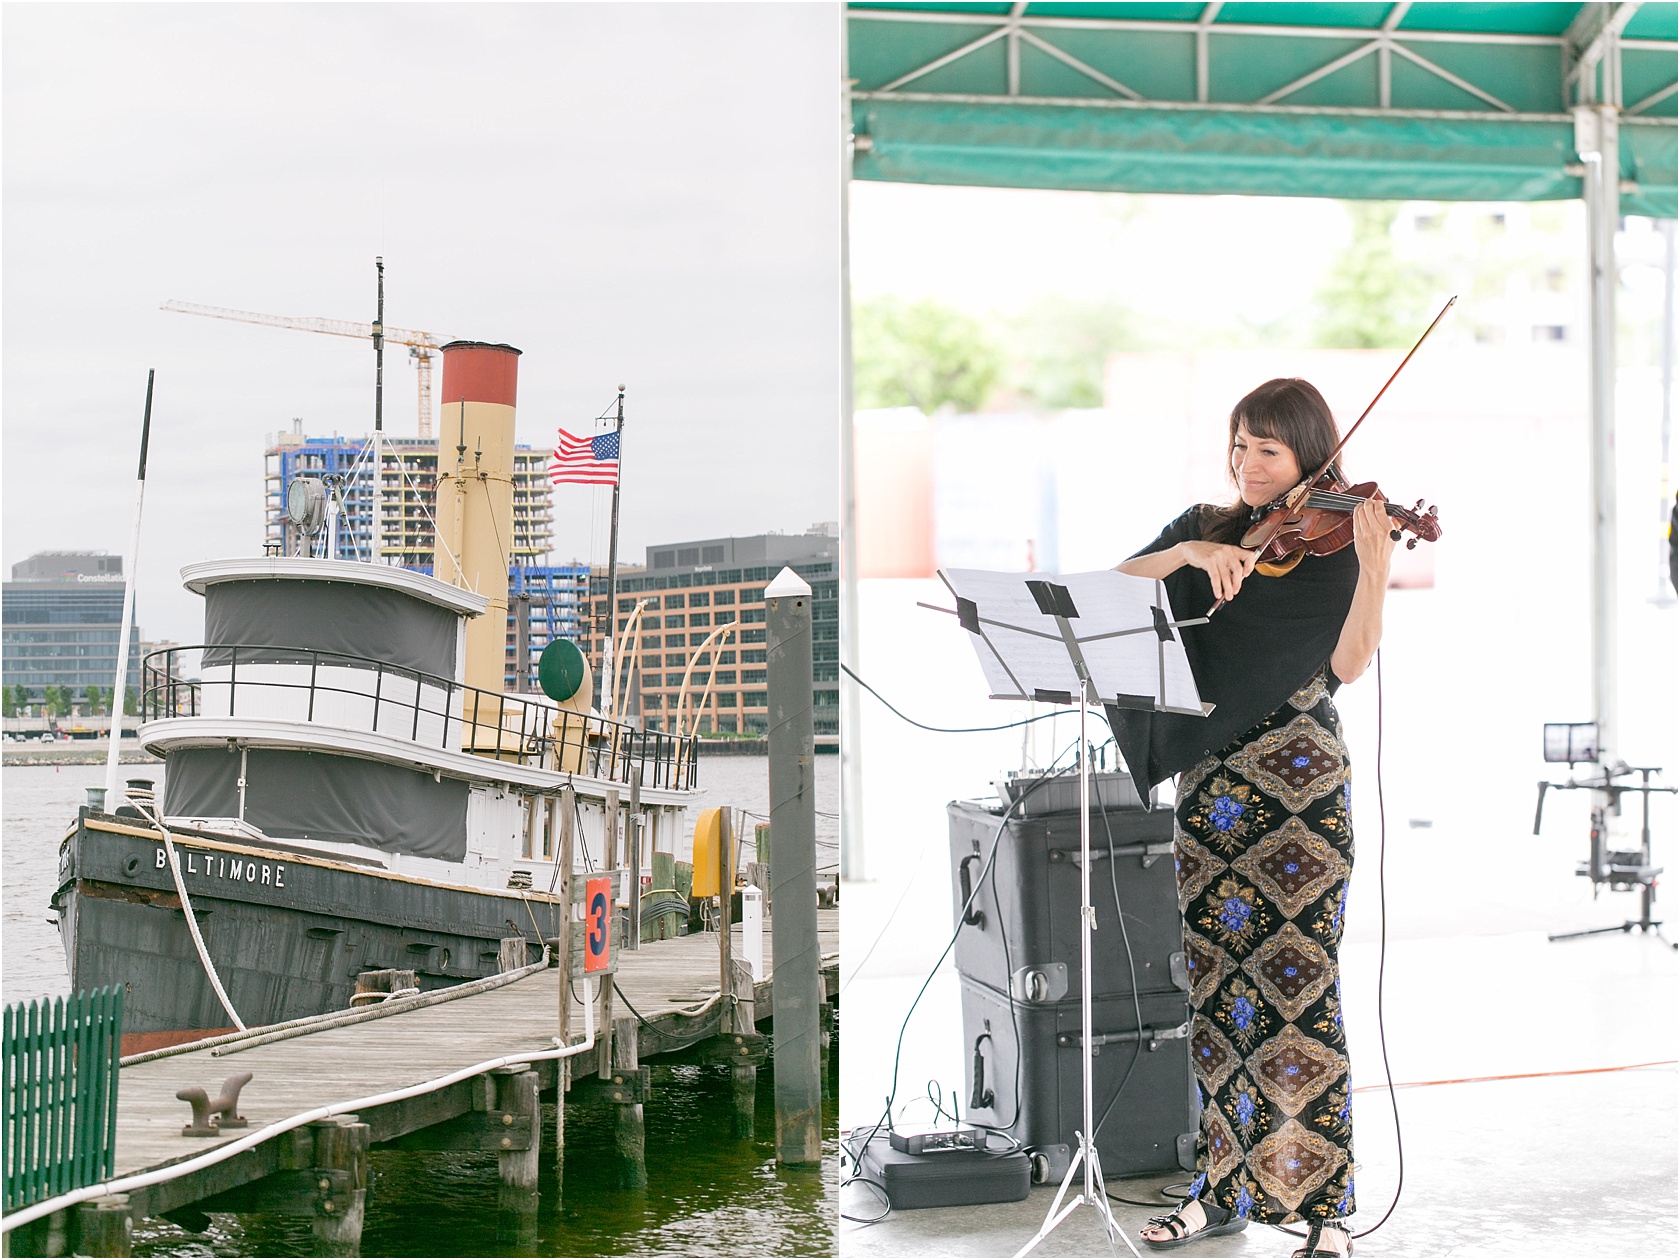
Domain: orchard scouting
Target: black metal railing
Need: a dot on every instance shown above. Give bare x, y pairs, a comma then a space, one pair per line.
424, 708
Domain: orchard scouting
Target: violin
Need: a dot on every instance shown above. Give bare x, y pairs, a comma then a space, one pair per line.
1316, 517
1321, 524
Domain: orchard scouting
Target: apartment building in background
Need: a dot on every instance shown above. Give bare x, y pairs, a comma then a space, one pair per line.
692, 588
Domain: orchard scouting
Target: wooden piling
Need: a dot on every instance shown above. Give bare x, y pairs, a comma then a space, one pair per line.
105, 1227
743, 1019
568, 813
604, 1048
629, 1127
825, 1022
518, 1110
726, 893
793, 859
341, 1143
633, 848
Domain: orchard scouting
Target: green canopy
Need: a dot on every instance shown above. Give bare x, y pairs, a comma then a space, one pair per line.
1435, 101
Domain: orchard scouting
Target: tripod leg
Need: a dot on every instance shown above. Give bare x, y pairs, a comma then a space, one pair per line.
1056, 1215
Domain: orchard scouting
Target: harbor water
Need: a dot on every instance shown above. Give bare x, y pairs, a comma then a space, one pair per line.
708, 1193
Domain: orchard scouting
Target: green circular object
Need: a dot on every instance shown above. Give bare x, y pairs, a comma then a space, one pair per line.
561, 669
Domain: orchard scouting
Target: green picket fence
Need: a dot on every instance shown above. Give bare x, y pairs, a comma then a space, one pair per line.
60, 1061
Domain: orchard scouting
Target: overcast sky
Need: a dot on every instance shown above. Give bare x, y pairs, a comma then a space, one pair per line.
635, 193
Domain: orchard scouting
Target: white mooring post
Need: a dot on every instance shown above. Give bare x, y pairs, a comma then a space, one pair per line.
752, 930
794, 947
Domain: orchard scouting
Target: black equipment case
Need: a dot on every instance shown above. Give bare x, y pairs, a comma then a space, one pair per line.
1025, 916
1018, 955
948, 1179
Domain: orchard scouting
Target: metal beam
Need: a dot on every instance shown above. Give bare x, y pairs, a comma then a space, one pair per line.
1313, 76
851, 706
1596, 143
1662, 94
1331, 111
1453, 79
1204, 24
1090, 72
1221, 28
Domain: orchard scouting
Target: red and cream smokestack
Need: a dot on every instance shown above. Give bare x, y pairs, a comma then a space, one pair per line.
475, 494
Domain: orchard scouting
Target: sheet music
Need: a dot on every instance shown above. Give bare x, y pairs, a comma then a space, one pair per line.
1018, 662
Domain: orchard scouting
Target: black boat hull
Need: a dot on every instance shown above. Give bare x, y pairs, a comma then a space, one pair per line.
288, 933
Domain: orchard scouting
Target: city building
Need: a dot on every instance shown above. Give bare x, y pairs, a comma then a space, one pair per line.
60, 626
544, 601
688, 590
408, 471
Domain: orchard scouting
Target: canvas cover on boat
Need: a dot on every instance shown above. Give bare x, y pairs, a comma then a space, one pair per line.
346, 618
319, 796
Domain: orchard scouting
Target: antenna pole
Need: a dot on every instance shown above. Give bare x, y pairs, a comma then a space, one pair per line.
378, 549
609, 677
119, 693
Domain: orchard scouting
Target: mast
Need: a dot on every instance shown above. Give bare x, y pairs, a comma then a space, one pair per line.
119, 693
608, 678
378, 549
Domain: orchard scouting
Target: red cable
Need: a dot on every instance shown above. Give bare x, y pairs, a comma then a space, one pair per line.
1520, 1076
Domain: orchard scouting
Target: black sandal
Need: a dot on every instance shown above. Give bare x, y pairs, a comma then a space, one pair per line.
1229, 1223
1315, 1231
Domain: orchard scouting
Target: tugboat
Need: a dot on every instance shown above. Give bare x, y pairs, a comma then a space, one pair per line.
348, 786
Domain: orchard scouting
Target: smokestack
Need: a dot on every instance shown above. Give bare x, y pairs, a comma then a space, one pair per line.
475, 494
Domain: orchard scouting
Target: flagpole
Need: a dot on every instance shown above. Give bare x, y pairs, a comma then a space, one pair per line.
608, 677
119, 693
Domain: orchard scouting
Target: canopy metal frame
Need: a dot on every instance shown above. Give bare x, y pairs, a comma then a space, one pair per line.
1593, 41
1590, 95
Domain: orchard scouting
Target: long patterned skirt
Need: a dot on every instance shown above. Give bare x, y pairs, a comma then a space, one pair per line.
1264, 849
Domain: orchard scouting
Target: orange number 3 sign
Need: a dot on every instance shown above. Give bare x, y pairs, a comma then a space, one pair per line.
597, 924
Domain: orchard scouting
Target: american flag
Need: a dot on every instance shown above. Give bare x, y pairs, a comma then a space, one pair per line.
588, 461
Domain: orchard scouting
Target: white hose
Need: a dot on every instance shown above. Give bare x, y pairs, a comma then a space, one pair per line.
168, 1172
144, 801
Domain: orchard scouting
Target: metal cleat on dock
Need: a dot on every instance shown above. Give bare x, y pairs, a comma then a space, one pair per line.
212, 1115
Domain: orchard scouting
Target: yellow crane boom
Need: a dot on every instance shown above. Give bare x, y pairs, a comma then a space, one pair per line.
420, 344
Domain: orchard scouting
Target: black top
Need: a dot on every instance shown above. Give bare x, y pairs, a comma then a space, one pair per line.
1257, 651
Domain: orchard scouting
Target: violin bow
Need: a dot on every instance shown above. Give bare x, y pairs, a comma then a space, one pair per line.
1300, 491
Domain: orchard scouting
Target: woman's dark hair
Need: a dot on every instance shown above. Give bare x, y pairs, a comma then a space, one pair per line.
1287, 410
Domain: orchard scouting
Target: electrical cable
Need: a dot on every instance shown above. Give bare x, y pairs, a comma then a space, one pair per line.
948, 730
851, 1148
627, 1005
1382, 961
1137, 1006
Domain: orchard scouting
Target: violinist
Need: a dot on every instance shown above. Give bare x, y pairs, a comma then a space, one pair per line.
1262, 835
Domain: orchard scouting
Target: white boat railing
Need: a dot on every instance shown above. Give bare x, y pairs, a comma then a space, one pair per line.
332, 689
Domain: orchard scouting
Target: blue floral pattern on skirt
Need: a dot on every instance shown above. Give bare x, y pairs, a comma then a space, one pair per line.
1265, 848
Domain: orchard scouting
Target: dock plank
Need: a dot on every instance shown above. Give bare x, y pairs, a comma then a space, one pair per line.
662, 980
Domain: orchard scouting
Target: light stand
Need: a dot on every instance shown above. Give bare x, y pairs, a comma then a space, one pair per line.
1032, 663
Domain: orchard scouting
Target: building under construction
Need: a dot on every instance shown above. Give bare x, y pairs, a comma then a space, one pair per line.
545, 601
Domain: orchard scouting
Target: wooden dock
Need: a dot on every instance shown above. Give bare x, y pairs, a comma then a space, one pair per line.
666, 1002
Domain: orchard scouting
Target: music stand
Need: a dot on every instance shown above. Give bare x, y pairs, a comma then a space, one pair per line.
1021, 627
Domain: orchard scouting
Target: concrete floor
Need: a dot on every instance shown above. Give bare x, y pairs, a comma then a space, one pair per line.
1573, 1162
1553, 1165
1557, 1166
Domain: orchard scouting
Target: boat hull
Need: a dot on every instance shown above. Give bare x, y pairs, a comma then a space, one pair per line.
288, 932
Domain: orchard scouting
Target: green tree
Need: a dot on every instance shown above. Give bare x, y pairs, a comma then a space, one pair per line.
56, 700
131, 701
95, 699
10, 700
1060, 348
921, 354
1368, 300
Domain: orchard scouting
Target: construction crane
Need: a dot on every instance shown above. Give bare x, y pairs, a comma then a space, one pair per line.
420, 344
